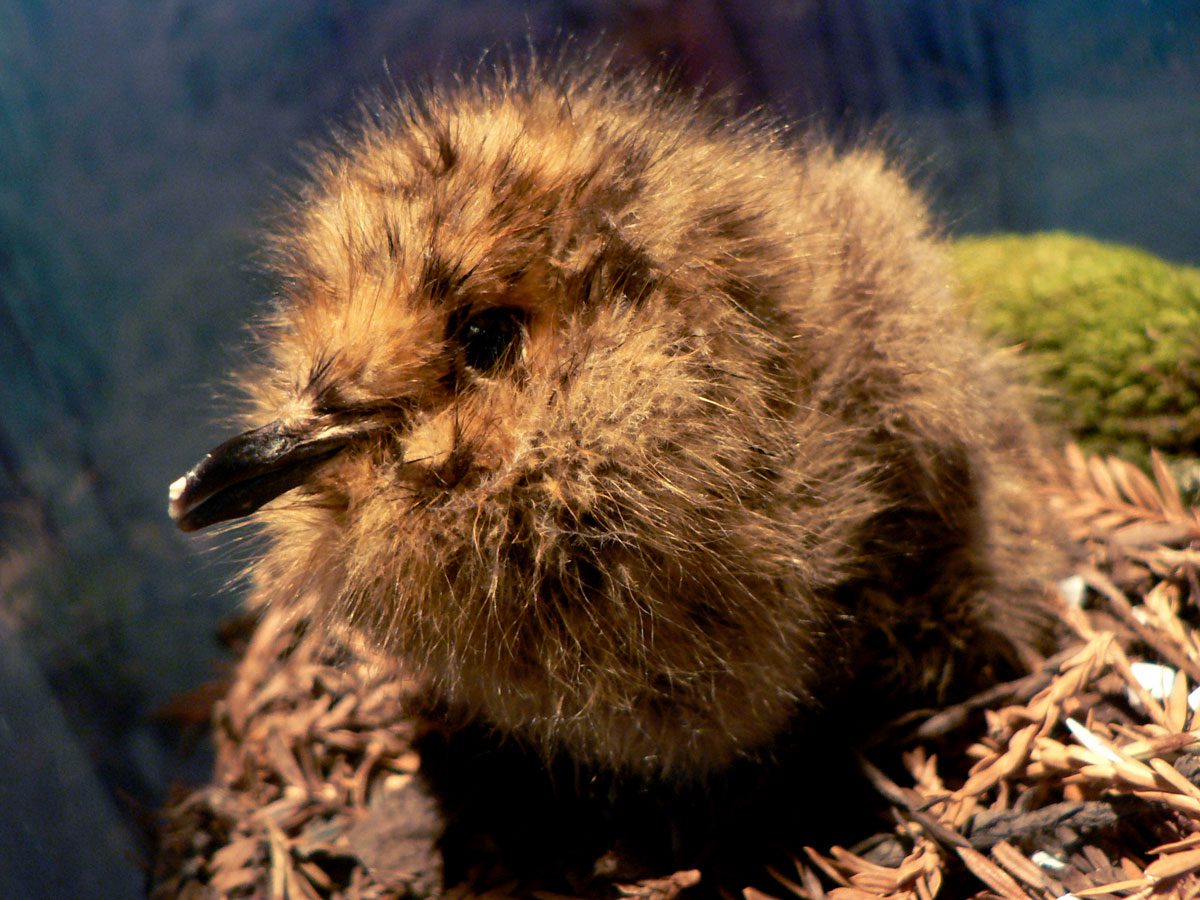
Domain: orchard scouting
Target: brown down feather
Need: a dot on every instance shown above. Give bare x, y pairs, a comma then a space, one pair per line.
740, 453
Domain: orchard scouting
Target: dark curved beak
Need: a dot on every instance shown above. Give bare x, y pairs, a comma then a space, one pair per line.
246, 471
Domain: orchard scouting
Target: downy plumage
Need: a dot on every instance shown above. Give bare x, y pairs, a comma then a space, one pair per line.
638, 434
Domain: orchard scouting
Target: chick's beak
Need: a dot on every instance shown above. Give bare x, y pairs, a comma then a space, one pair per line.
246, 471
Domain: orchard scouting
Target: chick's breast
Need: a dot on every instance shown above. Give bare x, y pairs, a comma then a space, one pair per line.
637, 434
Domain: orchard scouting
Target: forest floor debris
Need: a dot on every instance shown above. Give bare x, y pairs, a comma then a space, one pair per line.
1081, 780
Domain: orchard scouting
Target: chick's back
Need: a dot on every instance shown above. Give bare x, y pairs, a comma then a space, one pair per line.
666, 433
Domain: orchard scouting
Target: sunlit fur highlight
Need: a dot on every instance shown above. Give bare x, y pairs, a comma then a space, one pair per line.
748, 454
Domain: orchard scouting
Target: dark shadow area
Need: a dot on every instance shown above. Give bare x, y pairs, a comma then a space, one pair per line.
571, 829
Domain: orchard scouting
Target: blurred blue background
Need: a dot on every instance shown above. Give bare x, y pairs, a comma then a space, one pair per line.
142, 140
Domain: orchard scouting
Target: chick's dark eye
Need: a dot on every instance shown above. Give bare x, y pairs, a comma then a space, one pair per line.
491, 338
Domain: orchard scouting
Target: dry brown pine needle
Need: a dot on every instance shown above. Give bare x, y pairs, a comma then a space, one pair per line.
1081, 780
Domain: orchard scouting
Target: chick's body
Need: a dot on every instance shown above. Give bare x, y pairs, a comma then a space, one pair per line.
638, 435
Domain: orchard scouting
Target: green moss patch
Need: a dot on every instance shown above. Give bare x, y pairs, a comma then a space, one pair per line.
1114, 330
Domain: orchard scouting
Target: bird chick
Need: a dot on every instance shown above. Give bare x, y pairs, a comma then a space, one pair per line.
638, 434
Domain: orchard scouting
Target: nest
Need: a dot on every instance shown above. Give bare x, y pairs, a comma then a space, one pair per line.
1080, 780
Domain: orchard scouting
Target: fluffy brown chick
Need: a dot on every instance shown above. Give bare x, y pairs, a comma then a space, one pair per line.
639, 434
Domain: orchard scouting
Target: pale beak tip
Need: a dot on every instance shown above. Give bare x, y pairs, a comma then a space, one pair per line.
174, 495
